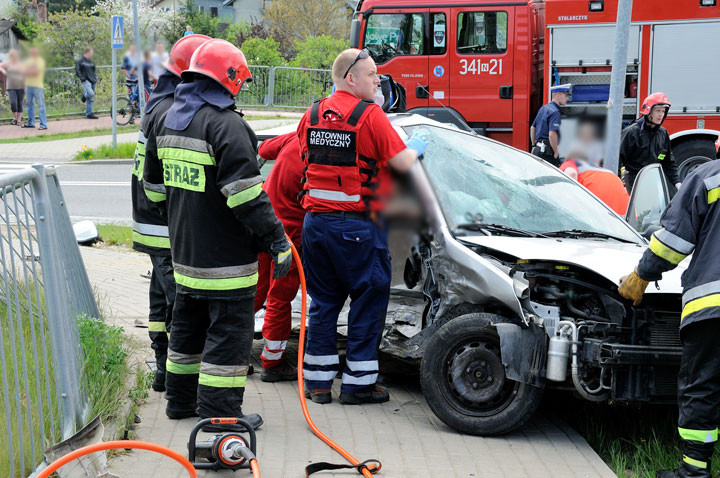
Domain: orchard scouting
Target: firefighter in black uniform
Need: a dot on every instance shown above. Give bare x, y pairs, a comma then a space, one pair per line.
646, 142
691, 225
545, 130
219, 218
150, 231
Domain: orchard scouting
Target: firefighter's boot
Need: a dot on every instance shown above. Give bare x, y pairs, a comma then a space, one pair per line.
696, 461
685, 471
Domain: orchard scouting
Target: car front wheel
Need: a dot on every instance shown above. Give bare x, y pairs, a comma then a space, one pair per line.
463, 379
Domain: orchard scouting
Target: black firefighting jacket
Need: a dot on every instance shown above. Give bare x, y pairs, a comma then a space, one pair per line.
218, 215
641, 146
691, 225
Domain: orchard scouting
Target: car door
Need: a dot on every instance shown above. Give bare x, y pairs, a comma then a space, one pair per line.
648, 200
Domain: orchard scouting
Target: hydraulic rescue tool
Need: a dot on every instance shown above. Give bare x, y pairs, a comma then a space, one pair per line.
226, 450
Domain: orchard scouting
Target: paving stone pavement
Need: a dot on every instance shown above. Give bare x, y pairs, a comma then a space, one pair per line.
403, 433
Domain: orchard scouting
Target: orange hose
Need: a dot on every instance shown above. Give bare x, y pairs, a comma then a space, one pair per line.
255, 468
119, 444
301, 385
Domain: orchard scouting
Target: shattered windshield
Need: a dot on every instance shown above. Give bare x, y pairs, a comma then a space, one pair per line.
481, 182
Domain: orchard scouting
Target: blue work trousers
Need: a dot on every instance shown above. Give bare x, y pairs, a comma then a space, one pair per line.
344, 257
36, 95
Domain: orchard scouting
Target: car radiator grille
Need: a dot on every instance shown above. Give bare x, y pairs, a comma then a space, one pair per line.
666, 330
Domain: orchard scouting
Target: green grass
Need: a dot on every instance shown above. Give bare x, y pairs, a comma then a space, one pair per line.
123, 151
77, 134
114, 235
635, 440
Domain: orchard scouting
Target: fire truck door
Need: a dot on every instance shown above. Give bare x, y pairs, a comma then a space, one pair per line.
481, 63
398, 42
439, 32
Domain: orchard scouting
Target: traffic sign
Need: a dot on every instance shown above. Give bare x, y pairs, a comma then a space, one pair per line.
116, 34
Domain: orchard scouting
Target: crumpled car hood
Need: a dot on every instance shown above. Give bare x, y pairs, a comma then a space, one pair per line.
609, 259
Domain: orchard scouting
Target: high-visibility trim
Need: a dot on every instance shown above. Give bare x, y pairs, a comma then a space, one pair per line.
700, 291
665, 252
329, 195
271, 355
283, 255
184, 142
321, 359
661, 156
185, 155
156, 326
674, 241
362, 366
217, 272
244, 196
713, 195
370, 379
319, 375
139, 161
224, 370
712, 182
276, 344
240, 185
150, 229
700, 304
222, 382
216, 284
182, 368
152, 241
702, 436
184, 175
155, 197
179, 357
694, 462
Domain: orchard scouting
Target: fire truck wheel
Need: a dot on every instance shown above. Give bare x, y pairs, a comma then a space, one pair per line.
692, 153
463, 379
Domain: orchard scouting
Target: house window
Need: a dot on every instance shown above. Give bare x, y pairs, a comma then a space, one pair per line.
213, 11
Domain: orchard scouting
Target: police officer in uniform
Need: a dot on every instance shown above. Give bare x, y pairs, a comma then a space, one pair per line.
348, 146
150, 231
545, 130
691, 225
219, 218
646, 142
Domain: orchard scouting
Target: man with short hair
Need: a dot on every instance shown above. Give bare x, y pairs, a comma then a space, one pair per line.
159, 57
545, 130
348, 146
34, 85
85, 71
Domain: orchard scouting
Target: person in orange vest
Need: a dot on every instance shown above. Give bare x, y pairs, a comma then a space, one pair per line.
603, 183
348, 146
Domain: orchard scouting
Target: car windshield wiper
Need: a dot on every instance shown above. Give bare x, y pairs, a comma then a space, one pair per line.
585, 233
498, 229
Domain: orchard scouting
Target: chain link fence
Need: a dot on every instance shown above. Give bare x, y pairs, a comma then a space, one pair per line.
44, 289
281, 87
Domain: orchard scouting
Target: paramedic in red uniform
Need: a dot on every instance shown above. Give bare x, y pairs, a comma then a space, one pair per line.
348, 146
283, 185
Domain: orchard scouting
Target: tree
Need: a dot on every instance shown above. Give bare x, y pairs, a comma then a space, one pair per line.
151, 22
262, 51
55, 6
303, 18
319, 52
66, 34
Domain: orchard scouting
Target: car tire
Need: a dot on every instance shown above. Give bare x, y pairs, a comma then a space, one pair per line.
691, 154
463, 379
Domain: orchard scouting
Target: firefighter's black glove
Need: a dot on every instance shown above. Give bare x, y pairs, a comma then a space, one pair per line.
282, 257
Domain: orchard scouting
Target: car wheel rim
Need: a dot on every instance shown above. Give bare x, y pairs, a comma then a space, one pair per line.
475, 382
691, 164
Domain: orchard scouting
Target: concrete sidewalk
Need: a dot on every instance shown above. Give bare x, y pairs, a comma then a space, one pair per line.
403, 433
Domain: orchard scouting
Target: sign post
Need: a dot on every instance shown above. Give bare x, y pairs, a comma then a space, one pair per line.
116, 41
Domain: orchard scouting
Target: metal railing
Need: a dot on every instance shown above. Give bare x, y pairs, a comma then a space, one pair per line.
281, 87
43, 290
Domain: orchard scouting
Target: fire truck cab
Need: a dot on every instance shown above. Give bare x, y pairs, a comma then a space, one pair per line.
490, 64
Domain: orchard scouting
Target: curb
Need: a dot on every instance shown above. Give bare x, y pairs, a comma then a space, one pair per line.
99, 161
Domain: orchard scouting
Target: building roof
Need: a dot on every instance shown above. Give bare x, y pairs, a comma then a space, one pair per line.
7, 24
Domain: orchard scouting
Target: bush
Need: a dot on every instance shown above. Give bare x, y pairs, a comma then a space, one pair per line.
259, 51
318, 52
66, 34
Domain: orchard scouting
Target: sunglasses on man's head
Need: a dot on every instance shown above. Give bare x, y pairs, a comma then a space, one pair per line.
364, 53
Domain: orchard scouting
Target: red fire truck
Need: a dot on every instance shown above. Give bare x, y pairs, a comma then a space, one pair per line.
490, 64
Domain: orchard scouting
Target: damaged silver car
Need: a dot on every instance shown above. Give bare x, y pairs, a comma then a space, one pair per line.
505, 282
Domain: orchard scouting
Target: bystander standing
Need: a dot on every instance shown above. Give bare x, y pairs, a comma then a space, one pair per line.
34, 83
85, 71
188, 31
159, 58
13, 70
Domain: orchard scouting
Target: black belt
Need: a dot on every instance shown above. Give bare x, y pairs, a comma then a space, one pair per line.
363, 216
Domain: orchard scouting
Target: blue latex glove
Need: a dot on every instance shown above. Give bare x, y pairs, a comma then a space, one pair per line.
417, 142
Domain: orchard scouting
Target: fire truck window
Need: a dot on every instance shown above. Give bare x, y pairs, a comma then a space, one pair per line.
439, 34
395, 34
482, 32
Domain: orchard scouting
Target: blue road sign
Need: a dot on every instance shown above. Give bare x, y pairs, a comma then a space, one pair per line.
116, 34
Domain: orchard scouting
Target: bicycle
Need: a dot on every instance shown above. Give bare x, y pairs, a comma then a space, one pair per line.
127, 108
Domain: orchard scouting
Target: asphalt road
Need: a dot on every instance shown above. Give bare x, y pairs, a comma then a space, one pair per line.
100, 192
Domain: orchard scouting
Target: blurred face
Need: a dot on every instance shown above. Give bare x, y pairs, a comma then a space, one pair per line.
362, 80
133, 50
34, 52
14, 57
90, 53
188, 29
159, 48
